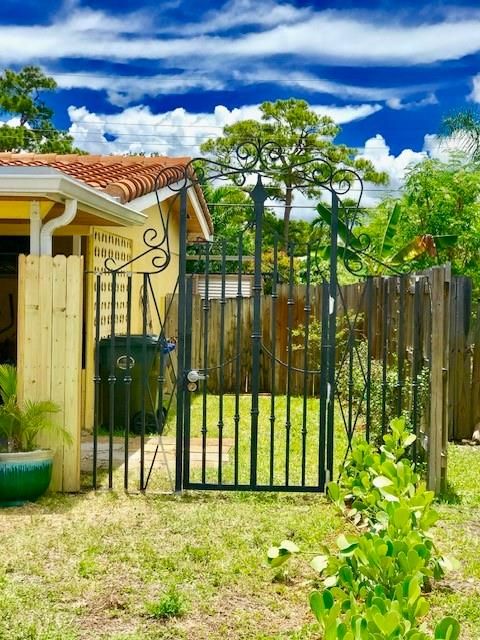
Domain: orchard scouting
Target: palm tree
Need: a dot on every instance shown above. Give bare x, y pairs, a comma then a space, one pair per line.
464, 128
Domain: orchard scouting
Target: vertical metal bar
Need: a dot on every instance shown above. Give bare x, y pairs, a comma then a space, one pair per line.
416, 360
181, 373
221, 372
350, 347
369, 320
273, 320
188, 366
145, 376
386, 329
111, 380
288, 412
238, 362
324, 354
97, 379
401, 346
163, 354
259, 196
306, 310
332, 329
127, 379
206, 317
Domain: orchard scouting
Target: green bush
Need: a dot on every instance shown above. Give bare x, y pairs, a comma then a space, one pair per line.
373, 582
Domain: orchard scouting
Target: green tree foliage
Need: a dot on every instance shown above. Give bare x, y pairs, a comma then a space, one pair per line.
21, 98
442, 199
464, 127
303, 135
231, 209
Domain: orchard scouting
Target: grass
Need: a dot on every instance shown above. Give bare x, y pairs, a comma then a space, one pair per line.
106, 565
303, 452
128, 567
458, 535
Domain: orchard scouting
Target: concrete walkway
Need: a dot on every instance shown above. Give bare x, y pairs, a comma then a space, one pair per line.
162, 458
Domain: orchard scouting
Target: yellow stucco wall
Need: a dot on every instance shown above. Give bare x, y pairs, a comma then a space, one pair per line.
161, 283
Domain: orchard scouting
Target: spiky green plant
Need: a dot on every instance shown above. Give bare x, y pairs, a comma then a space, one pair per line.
21, 424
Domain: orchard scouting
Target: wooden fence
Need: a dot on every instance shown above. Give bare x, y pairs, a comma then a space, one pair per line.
423, 318
390, 313
50, 298
463, 361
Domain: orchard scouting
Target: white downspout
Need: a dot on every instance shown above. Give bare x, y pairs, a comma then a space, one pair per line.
49, 227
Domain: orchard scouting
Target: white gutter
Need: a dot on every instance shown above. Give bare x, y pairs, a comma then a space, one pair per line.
49, 227
46, 182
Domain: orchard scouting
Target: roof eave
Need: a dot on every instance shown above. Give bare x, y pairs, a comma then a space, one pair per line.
150, 199
55, 185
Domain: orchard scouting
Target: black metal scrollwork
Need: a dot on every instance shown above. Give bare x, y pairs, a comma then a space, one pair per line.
250, 159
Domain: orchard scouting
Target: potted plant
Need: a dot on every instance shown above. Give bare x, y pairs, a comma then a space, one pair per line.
25, 468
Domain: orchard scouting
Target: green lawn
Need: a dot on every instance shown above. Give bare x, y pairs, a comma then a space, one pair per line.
300, 448
110, 566
458, 534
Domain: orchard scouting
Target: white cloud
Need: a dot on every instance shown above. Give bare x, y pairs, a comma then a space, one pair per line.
475, 94
397, 103
316, 84
178, 132
237, 13
441, 148
123, 90
322, 36
378, 152
347, 113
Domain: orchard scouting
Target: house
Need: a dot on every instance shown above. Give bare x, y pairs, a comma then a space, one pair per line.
94, 211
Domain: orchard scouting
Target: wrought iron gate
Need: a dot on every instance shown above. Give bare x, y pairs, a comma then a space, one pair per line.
269, 380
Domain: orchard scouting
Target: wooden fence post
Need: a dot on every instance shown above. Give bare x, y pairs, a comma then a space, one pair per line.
438, 428
475, 386
49, 347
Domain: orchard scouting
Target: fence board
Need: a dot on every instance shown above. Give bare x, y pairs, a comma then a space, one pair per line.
49, 348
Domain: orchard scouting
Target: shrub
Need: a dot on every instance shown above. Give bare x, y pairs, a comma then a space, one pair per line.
373, 582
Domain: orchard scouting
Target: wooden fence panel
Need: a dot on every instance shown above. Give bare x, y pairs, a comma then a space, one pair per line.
50, 348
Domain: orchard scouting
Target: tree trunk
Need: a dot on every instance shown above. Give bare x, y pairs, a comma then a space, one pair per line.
286, 215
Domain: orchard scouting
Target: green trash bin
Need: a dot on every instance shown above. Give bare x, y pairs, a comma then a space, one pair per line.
143, 362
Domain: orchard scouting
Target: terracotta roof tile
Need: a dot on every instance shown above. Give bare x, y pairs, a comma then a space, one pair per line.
124, 177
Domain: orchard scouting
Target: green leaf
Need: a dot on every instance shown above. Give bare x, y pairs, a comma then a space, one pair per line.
321, 603
346, 546
382, 481
389, 497
333, 491
390, 231
401, 517
445, 242
319, 563
349, 239
289, 546
447, 629
276, 556
387, 623
331, 581
409, 440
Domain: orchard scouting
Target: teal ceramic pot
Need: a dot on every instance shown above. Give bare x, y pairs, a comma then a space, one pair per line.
24, 476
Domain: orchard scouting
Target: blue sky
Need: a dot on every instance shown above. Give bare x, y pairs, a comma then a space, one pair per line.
164, 75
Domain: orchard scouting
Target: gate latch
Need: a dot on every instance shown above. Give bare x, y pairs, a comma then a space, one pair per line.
195, 376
